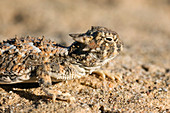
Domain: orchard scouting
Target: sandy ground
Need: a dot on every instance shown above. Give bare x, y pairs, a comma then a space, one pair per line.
141, 73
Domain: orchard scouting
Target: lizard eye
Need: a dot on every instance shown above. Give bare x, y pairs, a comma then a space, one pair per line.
109, 39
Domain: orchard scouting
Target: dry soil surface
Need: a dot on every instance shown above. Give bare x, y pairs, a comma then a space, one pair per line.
141, 73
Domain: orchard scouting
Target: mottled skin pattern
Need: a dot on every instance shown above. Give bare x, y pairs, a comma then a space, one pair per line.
39, 60
95, 47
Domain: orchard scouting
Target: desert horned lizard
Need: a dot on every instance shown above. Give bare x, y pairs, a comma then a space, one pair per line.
29, 59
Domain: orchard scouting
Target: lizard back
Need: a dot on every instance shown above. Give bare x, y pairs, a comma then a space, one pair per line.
19, 57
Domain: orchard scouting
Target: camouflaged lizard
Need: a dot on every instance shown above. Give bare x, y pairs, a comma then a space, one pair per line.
30, 59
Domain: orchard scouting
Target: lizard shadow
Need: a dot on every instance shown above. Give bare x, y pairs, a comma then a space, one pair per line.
24, 93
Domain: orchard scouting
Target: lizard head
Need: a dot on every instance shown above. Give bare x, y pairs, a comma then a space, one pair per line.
96, 46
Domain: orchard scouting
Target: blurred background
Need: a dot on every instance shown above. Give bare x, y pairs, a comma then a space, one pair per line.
143, 25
